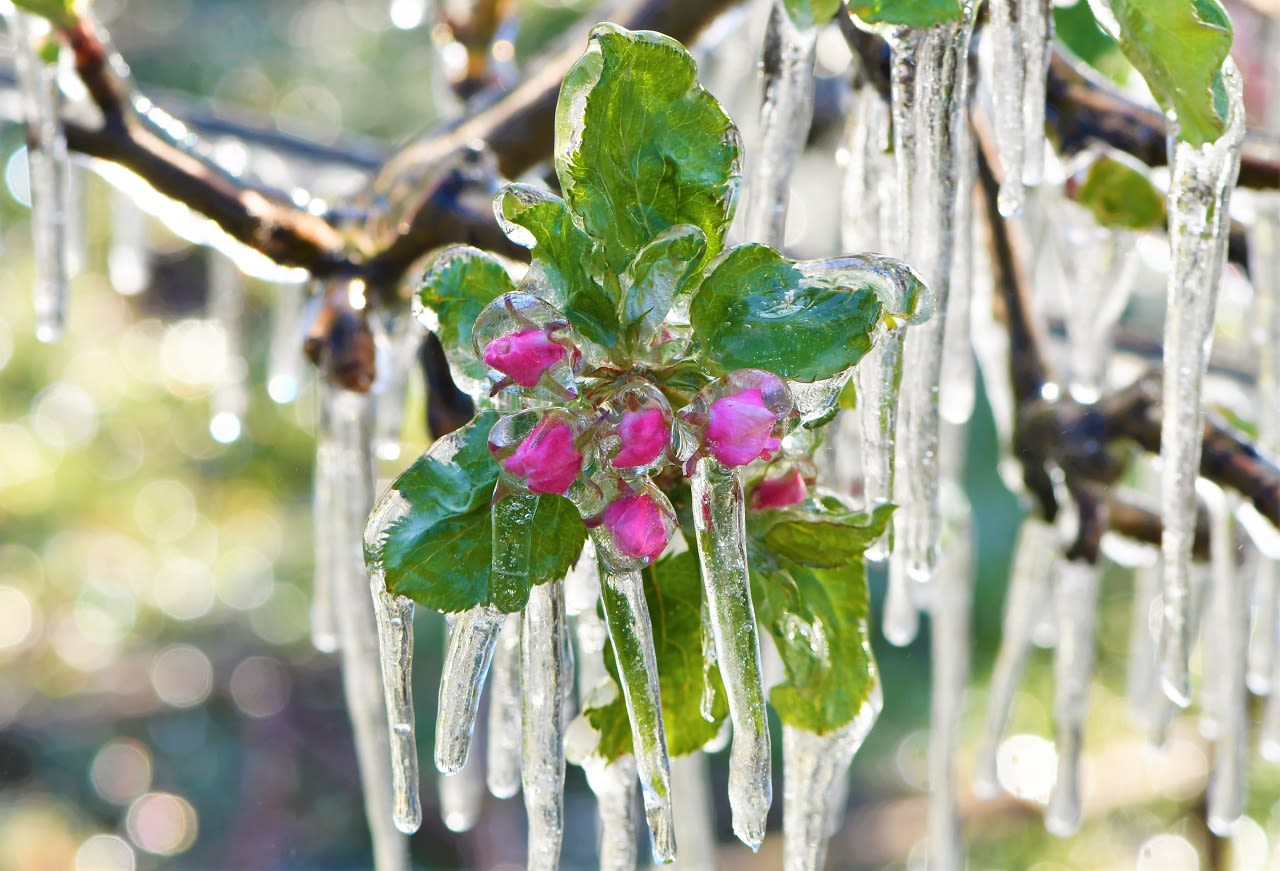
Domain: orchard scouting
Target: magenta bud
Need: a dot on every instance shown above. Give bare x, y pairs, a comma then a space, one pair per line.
740, 428
644, 434
638, 526
547, 460
523, 355
780, 492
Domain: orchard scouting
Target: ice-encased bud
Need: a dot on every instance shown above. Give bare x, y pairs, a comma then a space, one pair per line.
780, 489
639, 521
538, 450
634, 429
741, 417
529, 344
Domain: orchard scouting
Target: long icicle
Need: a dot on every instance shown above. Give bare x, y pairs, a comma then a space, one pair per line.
348, 426
462, 795
1228, 633
393, 616
695, 812
941, 86
1198, 205
129, 258
542, 694
284, 354
503, 752
1077, 602
1035, 558
719, 518
472, 638
1009, 70
785, 115
226, 309
1142, 680
326, 509
811, 766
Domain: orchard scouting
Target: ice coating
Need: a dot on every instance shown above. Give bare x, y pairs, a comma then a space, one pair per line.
473, 636
1226, 637
502, 771
785, 115
1077, 602
941, 90
542, 692
719, 517
1035, 558
527, 342
812, 765
1199, 196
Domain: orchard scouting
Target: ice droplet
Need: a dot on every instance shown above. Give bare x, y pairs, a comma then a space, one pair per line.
1198, 207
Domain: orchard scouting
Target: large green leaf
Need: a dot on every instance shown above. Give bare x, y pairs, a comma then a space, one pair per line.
1121, 195
568, 259
458, 284
640, 146
913, 13
439, 554
673, 590
817, 616
1179, 47
756, 309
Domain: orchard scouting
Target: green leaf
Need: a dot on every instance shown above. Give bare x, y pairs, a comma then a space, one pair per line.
673, 590
659, 272
641, 147
568, 258
1121, 195
440, 553
1179, 47
458, 284
756, 309
62, 13
811, 13
913, 13
824, 540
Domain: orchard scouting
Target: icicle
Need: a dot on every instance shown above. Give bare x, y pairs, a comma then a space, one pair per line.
326, 511
957, 390
1269, 736
503, 769
226, 309
785, 115
462, 795
1264, 271
48, 172
284, 359
129, 259
941, 89
631, 631
720, 523
614, 785
1142, 681
405, 336
542, 692
811, 764
1036, 24
1198, 207
1077, 601
472, 638
344, 452
1021, 35
393, 616
1227, 634
695, 813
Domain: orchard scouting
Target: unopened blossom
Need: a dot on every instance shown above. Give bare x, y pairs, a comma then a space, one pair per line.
523, 355
779, 492
547, 459
740, 428
644, 435
638, 526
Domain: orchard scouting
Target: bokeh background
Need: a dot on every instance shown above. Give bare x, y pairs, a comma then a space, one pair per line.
160, 703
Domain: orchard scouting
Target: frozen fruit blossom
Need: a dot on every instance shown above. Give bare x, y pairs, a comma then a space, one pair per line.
780, 492
547, 459
523, 355
638, 526
740, 428
644, 435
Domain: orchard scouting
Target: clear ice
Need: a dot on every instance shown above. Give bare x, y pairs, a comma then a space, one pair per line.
284, 354
720, 524
1021, 34
1226, 639
229, 401
1201, 182
504, 741
129, 258
473, 635
542, 699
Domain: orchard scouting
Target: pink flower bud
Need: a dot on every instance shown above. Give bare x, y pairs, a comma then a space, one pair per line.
546, 459
523, 355
644, 435
638, 526
787, 489
740, 428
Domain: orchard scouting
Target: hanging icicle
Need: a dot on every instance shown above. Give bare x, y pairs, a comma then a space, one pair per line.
542, 692
1021, 35
695, 813
48, 171
284, 355
785, 115
1199, 209
403, 339
226, 310
1143, 678
473, 636
503, 768
129, 258
462, 795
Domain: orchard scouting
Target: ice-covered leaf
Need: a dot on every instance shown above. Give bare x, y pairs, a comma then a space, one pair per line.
570, 260
913, 13
756, 310
673, 589
641, 147
440, 553
811, 13
1179, 47
458, 284
825, 540
659, 272
1121, 195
